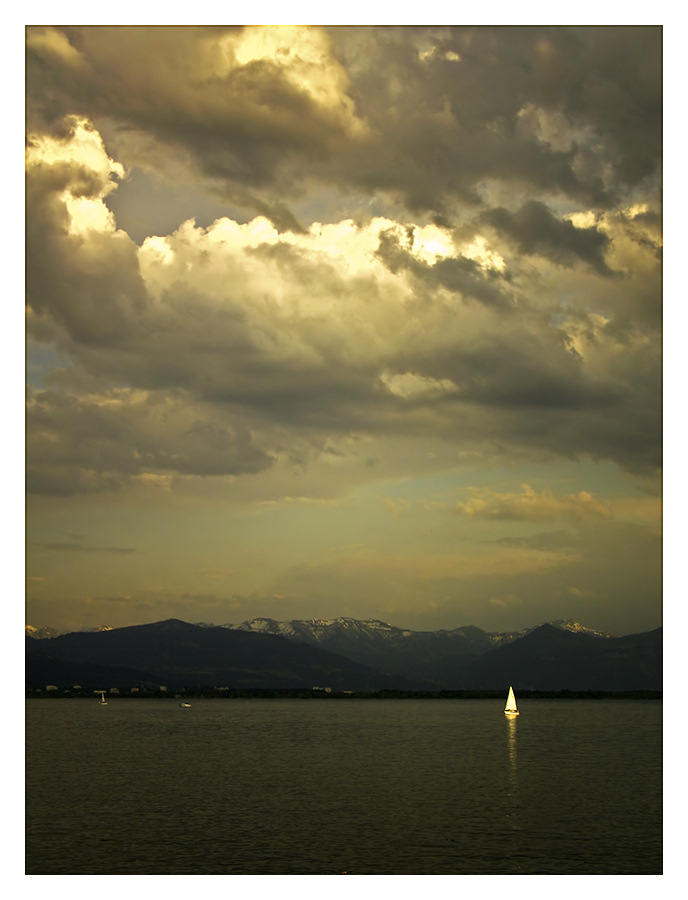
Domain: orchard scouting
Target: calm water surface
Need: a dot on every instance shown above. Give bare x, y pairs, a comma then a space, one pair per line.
319, 787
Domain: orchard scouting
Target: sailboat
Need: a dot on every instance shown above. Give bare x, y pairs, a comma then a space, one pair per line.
511, 709
102, 701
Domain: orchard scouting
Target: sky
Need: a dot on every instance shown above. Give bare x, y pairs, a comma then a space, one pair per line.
344, 321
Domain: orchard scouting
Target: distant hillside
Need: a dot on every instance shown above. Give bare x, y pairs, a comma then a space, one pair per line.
177, 654
550, 658
436, 658
410, 654
43, 669
371, 656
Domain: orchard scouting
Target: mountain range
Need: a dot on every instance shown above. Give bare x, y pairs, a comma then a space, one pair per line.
419, 655
344, 654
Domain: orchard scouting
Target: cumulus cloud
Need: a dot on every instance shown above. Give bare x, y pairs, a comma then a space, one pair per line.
345, 327
449, 103
82, 276
241, 106
376, 254
427, 114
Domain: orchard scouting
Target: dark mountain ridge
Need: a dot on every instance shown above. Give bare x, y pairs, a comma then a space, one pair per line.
179, 654
550, 658
438, 658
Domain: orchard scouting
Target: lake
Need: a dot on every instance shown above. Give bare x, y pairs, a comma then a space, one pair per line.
326, 786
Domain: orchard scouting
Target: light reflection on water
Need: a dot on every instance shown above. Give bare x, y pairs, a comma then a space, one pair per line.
511, 739
364, 786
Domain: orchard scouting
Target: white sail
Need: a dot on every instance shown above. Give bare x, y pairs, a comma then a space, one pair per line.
511, 709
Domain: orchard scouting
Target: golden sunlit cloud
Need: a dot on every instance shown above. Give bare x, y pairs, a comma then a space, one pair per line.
506, 601
81, 163
410, 385
479, 251
301, 55
532, 505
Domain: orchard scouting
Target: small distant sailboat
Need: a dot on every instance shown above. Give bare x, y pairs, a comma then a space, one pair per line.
102, 701
185, 705
511, 709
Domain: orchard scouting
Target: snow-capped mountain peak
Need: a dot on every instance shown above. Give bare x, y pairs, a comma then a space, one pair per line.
48, 632
347, 629
577, 628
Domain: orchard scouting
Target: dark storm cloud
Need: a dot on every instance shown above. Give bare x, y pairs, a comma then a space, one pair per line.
613, 79
91, 287
506, 377
536, 231
460, 275
448, 107
445, 122
234, 349
85, 445
426, 114
238, 125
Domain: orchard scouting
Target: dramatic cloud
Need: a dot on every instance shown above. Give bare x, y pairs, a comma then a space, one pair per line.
303, 278
535, 230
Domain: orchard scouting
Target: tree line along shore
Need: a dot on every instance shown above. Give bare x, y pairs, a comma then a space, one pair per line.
322, 693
